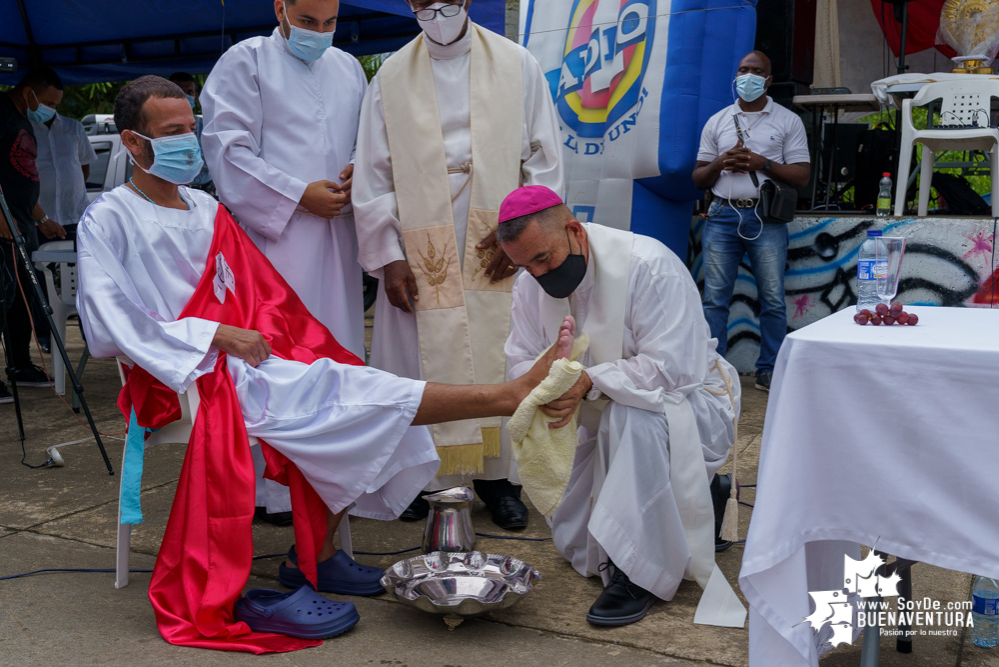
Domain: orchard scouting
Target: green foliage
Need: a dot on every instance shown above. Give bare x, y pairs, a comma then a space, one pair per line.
981, 184
372, 63
78, 101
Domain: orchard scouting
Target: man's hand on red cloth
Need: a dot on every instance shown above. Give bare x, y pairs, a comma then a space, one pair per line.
250, 346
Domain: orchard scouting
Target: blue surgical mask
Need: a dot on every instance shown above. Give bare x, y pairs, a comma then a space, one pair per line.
176, 159
750, 86
190, 100
42, 114
309, 45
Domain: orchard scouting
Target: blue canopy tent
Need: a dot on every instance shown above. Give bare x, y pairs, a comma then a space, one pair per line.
116, 40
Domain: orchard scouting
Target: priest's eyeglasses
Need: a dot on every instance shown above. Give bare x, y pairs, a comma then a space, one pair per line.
430, 13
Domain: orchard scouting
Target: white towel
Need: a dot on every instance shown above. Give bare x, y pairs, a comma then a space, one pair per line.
545, 455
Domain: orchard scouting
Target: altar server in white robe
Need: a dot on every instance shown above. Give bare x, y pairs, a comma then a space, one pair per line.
450, 124
142, 250
281, 117
656, 421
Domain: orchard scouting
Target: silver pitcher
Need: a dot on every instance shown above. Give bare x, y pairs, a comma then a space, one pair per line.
449, 524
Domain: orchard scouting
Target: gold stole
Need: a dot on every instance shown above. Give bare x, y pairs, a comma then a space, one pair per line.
462, 320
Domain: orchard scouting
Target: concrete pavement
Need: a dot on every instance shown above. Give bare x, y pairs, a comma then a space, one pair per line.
65, 517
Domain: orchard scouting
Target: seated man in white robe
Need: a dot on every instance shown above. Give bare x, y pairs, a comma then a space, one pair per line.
656, 422
143, 249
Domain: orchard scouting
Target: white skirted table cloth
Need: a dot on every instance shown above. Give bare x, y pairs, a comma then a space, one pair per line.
886, 435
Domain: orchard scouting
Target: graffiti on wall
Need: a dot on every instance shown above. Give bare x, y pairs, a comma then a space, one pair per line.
948, 262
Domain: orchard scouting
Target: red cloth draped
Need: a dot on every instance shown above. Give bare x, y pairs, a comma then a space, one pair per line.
923, 23
204, 560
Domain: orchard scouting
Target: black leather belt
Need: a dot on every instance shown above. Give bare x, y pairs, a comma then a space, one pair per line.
740, 203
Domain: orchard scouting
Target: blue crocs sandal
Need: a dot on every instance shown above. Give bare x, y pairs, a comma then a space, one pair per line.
339, 574
303, 613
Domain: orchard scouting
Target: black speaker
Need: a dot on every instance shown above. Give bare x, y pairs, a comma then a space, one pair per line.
847, 162
875, 154
848, 138
785, 31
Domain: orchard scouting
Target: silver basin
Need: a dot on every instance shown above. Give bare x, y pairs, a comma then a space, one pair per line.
465, 584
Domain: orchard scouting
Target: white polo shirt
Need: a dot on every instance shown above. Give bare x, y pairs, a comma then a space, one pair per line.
63, 149
775, 133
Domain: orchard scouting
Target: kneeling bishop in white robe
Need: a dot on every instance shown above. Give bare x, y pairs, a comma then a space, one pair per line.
651, 354
347, 428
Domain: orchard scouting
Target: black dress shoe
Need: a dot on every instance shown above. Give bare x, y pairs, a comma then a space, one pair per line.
503, 500
622, 602
277, 518
721, 487
509, 512
417, 510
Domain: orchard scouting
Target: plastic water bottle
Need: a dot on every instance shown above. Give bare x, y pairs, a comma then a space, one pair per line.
884, 196
984, 611
868, 270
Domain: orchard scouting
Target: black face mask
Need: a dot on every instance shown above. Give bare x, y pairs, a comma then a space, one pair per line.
563, 280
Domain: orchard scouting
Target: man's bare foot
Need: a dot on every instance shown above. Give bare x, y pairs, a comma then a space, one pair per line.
523, 385
566, 335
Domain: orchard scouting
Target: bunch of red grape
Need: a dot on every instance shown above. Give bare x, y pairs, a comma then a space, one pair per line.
886, 315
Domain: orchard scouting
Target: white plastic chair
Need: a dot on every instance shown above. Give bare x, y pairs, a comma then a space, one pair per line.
963, 103
180, 431
62, 301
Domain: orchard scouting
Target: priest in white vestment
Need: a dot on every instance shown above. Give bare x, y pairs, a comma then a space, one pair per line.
281, 116
142, 252
656, 419
450, 124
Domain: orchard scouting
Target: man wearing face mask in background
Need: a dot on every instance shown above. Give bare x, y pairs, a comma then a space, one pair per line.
776, 147
281, 117
20, 184
64, 158
655, 419
451, 123
190, 87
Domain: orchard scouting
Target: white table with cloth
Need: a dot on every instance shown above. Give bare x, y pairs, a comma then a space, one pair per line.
886, 435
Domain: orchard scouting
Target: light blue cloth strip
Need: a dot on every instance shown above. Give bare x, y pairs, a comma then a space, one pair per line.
131, 472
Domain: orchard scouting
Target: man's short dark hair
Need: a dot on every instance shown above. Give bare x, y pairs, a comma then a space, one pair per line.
181, 77
40, 78
128, 114
511, 230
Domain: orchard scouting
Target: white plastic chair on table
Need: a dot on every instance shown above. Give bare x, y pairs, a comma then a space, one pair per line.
62, 301
180, 431
962, 105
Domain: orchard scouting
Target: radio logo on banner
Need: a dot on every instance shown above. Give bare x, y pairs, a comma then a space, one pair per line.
607, 51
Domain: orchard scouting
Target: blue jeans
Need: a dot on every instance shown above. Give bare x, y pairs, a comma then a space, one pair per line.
723, 249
